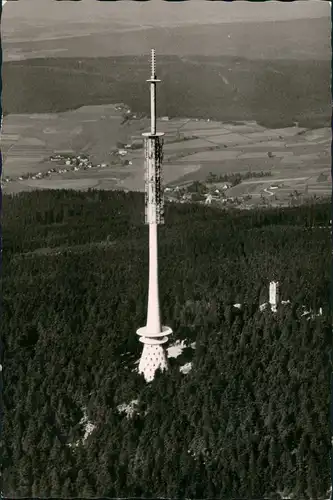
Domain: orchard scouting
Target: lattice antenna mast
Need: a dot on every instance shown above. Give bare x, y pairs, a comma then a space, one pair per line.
154, 200
153, 80
153, 335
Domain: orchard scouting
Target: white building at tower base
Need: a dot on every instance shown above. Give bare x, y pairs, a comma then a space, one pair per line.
153, 355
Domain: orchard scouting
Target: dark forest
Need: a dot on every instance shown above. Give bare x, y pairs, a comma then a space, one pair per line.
251, 417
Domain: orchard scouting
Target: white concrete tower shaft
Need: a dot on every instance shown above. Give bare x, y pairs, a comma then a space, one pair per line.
153, 335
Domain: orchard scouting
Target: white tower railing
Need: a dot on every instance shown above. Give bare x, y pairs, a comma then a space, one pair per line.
153, 335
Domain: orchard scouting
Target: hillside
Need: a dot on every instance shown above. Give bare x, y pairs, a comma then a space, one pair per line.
275, 93
248, 418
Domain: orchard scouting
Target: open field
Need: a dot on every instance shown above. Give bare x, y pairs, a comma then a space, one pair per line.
298, 159
246, 87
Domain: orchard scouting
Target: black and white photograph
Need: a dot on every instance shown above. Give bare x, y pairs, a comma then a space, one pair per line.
166, 250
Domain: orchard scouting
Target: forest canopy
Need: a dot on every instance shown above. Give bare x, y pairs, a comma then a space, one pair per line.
251, 416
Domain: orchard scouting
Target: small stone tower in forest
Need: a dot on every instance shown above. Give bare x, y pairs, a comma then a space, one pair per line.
274, 295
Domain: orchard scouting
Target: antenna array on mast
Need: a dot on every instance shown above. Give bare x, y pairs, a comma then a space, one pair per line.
154, 200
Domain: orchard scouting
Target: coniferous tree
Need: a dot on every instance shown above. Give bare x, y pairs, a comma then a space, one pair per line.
249, 416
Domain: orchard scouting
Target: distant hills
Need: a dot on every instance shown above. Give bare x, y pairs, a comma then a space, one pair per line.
275, 93
297, 39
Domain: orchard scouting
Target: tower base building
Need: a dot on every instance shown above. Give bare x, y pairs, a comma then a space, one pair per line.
153, 355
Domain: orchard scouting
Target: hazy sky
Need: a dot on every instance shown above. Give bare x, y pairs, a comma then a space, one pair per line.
156, 12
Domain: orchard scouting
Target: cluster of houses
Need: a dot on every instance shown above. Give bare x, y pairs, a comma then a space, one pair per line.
39, 175
182, 195
127, 113
122, 107
67, 162
123, 152
74, 163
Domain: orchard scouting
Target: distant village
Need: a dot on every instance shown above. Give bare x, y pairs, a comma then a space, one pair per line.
69, 162
66, 162
214, 190
201, 192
